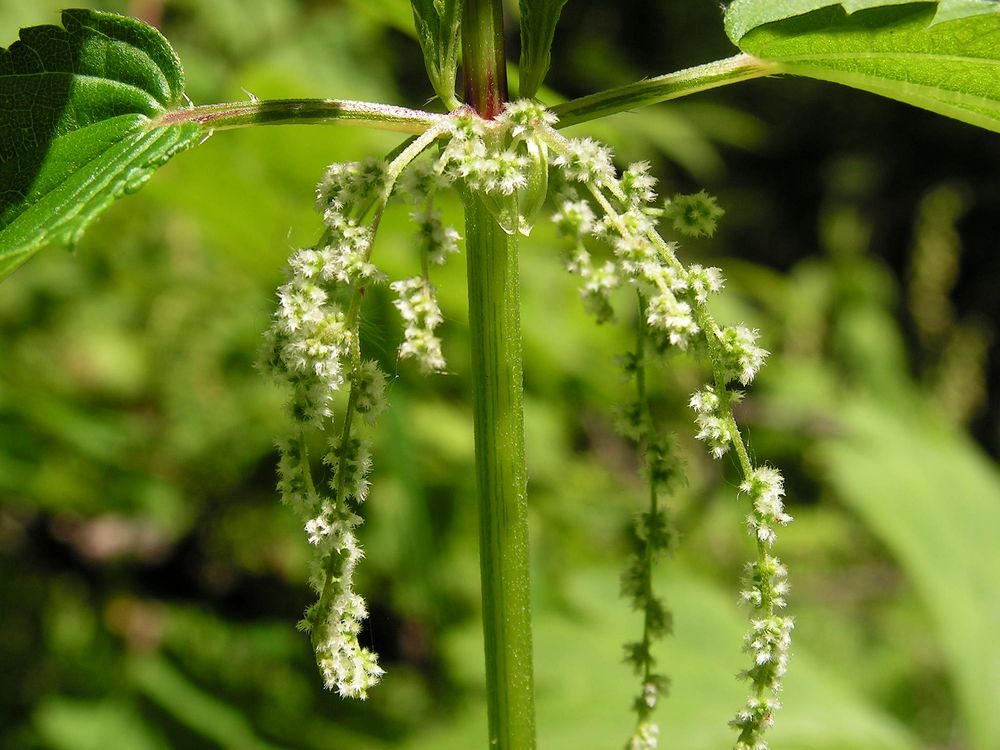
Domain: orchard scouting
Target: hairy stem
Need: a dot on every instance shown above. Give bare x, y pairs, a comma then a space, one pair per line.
483, 62
494, 319
660, 89
495, 327
302, 112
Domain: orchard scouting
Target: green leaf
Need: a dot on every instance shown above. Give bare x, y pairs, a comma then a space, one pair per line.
76, 105
934, 500
538, 29
942, 56
439, 25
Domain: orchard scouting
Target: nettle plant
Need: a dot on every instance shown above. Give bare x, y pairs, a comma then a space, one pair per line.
90, 109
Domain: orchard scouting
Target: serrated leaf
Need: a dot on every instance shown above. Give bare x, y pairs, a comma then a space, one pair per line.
438, 24
942, 56
76, 125
538, 28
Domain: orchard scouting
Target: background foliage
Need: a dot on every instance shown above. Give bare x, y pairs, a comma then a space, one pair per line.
150, 580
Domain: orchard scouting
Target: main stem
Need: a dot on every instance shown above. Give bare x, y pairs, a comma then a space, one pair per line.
484, 65
494, 320
495, 327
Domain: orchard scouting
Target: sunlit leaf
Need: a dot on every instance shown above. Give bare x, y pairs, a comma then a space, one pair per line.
76, 110
944, 56
745, 15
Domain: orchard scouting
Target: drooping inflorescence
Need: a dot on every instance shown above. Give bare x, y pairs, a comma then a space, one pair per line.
610, 222
616, 218
314, 345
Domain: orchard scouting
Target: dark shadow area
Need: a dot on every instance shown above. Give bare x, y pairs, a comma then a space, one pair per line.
36, 75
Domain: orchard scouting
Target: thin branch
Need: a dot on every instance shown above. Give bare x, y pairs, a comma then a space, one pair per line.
301, 111
660, 89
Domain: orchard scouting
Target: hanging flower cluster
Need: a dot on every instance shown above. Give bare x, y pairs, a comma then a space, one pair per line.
765, 587
616, 219
610, 222
419, 307
314, 342
314, 346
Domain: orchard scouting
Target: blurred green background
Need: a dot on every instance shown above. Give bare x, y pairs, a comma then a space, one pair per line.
150, 581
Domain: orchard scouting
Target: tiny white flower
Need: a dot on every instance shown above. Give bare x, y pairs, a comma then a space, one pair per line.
705, 401
587, 161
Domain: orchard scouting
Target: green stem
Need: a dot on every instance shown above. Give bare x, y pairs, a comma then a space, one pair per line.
495, 328
662, 88
483, 63
494, 320
301, 111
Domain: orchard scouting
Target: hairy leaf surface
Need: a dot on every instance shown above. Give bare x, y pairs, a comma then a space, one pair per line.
438, 24
76, 111
538, 28
942, 56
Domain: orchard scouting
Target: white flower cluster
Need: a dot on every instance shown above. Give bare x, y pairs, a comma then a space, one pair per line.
766, 579
736, 358
769, 640
421, 314
575, 220
482, 167
645, 737
436, 240
628, 231
619, 219
587, 161
766, 488
313, 345
714, 427
766, 586
503, 161
741, 356
313, 340
335, 620
351, 185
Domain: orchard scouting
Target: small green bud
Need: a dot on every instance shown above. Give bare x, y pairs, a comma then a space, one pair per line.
693, 215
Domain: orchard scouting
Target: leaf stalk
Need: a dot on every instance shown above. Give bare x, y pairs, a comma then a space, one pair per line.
229, 115
660, 89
